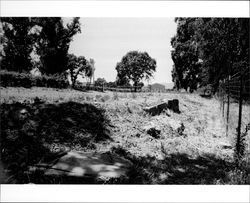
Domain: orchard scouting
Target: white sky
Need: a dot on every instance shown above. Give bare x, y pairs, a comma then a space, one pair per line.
107, 40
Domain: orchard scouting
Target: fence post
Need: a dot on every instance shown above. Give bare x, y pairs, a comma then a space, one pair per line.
228, 103
240, 115
223, 98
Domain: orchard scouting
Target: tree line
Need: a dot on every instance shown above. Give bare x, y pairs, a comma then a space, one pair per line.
208, 50
44, 42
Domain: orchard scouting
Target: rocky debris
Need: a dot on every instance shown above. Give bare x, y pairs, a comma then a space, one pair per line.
83, 165
159, 108
153, 130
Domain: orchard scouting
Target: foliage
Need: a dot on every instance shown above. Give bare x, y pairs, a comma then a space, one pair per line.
207, 50
17, 43
135, 66
15, 79
43, 42
111, 84
91, 70
53, 42
100, 82
185, 56
77, 66
240, 146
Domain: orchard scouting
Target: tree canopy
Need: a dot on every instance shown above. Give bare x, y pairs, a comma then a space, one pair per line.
207, 50
53, 43
77, 66
17, 43
46, 38
134, 67
100, 82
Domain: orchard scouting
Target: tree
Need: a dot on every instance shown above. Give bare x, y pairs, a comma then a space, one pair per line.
185, 55
134, 67
112, 84
122, 80
223, 44
207, 50
17, 43
3, 43
91, 73
100, 82
77, 66
53, 42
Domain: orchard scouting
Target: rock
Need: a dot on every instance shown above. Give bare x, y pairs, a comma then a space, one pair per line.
84, 166
152, 130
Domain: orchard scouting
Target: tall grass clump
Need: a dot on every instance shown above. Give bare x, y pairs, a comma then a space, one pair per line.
115, 96
133, 95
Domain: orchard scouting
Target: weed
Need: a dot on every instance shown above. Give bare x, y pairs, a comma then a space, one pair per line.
134, 95
115, 96
180, 130
241, 144
105, 98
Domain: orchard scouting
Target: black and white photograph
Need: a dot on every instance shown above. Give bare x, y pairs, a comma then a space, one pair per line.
124, 100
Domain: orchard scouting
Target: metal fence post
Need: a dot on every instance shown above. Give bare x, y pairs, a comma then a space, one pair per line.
240, 115
228, 104
223, 104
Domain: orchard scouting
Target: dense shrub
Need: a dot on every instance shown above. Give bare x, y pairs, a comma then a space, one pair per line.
15, 79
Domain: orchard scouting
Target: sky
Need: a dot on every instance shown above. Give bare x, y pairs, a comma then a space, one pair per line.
107, 40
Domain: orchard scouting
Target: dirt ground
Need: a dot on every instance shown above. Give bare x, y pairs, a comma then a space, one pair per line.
192, 147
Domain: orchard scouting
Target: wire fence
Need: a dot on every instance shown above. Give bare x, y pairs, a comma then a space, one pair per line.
234, 94
104, 88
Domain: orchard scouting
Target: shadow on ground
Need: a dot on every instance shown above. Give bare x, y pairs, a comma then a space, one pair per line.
181, 169
28, 131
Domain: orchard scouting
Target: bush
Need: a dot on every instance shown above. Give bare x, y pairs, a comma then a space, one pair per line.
15, 79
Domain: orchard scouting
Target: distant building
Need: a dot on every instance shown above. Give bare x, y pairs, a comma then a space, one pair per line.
156, 87
145, 89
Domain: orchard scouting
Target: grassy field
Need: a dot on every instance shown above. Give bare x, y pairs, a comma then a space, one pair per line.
192, 147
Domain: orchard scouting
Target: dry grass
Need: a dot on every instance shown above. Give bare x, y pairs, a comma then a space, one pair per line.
194, 155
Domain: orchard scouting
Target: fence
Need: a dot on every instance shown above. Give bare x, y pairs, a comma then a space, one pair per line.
234, 94
105, 88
